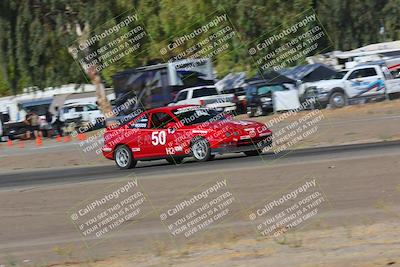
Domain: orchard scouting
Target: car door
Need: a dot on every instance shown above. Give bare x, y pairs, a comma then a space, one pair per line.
81, 112
138, 137
92, 112
161, 136
392, 85
365, 82
68, 113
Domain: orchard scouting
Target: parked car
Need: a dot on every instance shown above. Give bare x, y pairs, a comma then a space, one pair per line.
361, 84
176, 132
206, 96
80, 114
259, 97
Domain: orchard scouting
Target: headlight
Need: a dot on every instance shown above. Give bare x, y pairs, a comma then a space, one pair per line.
235, 133
227, 134
265, 99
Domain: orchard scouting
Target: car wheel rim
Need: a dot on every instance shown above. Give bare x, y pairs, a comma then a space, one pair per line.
122, 157
259, 111
200, 150
338, 100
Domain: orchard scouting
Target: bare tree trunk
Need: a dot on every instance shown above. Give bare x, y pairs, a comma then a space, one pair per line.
93, 74
101, 95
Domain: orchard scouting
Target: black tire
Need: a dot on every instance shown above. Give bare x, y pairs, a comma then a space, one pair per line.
252, 153
337, 100
173, 160
393, 96
200, 149
124, 158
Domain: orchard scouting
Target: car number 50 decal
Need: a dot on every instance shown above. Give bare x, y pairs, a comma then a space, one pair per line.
158, 138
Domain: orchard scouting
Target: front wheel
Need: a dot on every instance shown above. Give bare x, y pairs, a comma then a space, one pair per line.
201, 150
338, 100
124, 158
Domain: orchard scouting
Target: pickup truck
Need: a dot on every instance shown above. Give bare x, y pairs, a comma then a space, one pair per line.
206, 96
361, 84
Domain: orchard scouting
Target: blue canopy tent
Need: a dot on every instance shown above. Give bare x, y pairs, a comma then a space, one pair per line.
271, 77
309, 73
39, 106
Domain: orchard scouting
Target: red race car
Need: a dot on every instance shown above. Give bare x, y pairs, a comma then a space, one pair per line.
173, 133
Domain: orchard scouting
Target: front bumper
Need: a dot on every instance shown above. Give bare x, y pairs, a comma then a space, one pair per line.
226, 109
318, 101
107, 152
257, 143
316, 96
266, 106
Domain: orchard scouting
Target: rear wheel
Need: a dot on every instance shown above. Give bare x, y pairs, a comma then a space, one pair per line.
124, 158
201, 150
393, 96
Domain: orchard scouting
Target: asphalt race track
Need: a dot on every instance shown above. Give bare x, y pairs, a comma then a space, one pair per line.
221, 163
356, 179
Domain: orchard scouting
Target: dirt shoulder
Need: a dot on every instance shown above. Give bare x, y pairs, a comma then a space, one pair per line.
362, 246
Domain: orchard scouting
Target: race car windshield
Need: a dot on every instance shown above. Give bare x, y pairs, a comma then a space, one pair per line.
191, 116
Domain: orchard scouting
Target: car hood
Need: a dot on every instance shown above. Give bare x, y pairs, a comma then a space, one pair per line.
242, 126
325, 83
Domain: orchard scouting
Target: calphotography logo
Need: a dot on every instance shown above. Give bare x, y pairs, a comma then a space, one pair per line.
199, 210
110, 211
290, 210
285, 46
213, 39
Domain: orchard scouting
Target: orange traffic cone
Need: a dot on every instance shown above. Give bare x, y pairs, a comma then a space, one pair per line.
58, 138
38, 141
9, 143
81, 137
67, 138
